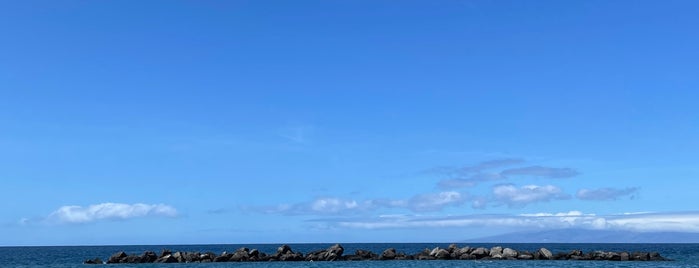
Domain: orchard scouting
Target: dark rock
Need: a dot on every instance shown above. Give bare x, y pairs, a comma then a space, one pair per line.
166, 259
165, 252
640, 256
509, 253
284, 249
388, 254
291, 257
613, 256
240, 255
462, 251
148, 257
575, 253
365, 254
452, 248
655, 256
496, 253
179, 256
440, 254
467, 256
223, 258
207, 257
624, 256
525, 256
479, 253
94, 261
133, 259
560, 256
117, 257
190, 257
545, 254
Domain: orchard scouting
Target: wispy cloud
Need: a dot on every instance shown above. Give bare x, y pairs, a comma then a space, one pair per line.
469, 176
341, 206
514, 196
539, 171
605, 194
435, 201
318, 206
109, 211
643, 222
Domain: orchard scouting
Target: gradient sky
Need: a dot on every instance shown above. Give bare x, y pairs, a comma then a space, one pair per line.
153, 122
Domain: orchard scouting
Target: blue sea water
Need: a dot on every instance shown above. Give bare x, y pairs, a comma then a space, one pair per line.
684, 255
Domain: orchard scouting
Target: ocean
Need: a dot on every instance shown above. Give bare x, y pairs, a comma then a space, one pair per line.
683, 255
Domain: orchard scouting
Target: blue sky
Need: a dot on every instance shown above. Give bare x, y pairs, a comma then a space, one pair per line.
151, 122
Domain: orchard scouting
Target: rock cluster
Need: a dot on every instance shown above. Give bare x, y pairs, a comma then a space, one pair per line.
335, 253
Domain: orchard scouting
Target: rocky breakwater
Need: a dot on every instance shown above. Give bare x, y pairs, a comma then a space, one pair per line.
336, 253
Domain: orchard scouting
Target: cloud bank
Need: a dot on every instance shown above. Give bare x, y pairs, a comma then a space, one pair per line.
640, 222
514, 196
469, 176
605, 194
109, 211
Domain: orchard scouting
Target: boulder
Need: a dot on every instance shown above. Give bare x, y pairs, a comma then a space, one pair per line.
388, 254
179, 256
467, 257
623, 256
525, 256
480, 252
462, 251
166, 259
291, 257
190, 257
148, 257
207, 257
133, 259
545, 254
640, 256
496, 253
365, 254
284, 249
509, 253
655, 256
94, 261
439, 253
332, 253
223, 258
239, 256
117, 257
452, 248
165, 252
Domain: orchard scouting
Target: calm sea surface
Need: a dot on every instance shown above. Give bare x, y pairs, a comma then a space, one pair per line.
684, 255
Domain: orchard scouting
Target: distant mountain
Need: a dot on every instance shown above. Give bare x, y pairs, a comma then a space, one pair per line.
590, 236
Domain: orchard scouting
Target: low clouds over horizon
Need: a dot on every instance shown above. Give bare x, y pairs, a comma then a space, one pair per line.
510, 195
641, 222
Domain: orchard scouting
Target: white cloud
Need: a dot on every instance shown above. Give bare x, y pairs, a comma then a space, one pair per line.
603, 194
333, 205
318, 206
109, 211
642, 222
518, 197
543, 172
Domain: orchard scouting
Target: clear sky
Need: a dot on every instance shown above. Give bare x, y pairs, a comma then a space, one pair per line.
151, 122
